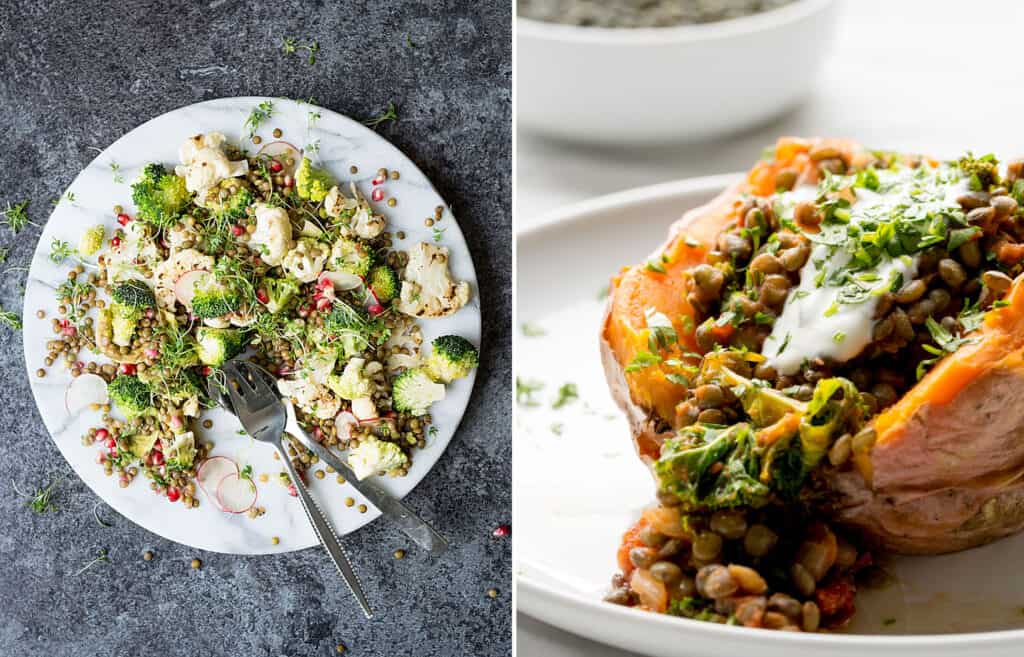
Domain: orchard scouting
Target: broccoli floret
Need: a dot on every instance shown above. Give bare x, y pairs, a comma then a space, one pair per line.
91, 241
414, 391
160, 197
384, 283
213, 299
134, 294
453, 357
374, 455
217, 345
352, 256
350, 329
131, 395
352, 383
279, 291
312, 183
228, 199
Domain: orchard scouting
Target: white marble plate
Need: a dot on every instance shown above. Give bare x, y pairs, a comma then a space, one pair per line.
579, 484
106, 182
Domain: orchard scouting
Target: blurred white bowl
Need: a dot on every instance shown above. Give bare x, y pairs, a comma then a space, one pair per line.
634, 85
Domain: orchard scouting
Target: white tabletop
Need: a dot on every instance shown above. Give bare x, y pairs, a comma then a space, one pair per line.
931, 76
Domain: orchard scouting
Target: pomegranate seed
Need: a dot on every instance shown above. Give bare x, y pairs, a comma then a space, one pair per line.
69, 331
323, 303
123, 219
379, 180
150, 313
128, 368
378, 194
101, 458
276, 166
288, 181
79, 364
237, 230
502, 530
292, 490
318, 434
303, 311
375, 309
151, 352
102, 434
175, 422
324, 282
173, 494
207, 370
157, 458
111, 443
113, 453
115, 241
262, 296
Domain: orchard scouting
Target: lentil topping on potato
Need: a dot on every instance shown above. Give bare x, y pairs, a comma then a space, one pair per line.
820, 361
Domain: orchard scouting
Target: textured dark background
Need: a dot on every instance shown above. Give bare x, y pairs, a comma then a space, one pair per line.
75, 74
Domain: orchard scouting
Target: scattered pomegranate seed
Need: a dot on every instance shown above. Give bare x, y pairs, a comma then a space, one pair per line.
378, 194
115, 241
502, 531
292, 490
123, 219
113, 453
324, 282
150, 313
375, 309
157, 458
79, 364
379, 180
69, 331
323, 303
207, 370
102, 434
303, 311
173, 494
288, 181
262, 296
276, 166
101, 458
318, 433
237, 230
128, 368
151, 352
111, 443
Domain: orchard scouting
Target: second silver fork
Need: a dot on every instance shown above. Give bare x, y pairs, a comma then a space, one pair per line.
263, 416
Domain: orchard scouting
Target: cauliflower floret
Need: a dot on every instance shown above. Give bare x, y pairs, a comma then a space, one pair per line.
137, 247
204, 163
355, 382
272, 238
217, 322
373, 456
404, 345
362, 223
180, 450
306, 260
319, 366
311, 397
168, 271
427, 287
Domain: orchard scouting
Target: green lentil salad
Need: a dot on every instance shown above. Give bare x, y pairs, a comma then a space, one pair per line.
262, 256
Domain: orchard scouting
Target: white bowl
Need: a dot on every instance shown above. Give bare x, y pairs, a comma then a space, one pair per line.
691, 82
579, 485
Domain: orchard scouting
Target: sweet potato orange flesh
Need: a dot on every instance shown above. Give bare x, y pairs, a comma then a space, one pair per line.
947, 469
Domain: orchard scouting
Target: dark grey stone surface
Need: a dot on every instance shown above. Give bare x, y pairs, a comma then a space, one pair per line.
80, 73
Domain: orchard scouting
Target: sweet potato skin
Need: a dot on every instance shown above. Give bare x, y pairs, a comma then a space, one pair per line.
947, 470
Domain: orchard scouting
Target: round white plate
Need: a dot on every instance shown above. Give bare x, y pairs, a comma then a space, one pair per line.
579, 484
105, 182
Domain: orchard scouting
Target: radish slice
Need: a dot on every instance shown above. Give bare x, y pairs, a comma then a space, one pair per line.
235, 494
364, 409
281, 151
185, 286
344, 422
212, 471
83, 391
342, 280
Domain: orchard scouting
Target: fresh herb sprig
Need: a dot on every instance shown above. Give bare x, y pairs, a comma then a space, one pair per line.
258, 116
15, 216
291, 45
10, 319
60, 251
567, 393
390, 114
40, 501
525, 391
101, 557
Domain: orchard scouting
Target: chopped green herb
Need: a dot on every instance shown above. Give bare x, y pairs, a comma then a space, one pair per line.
116, 169
785, 343
525, 391
643, 360
532, 330
390, 114
662, 333
653, 265
60, 251
438, 232
557, 428
567, 393
838, 337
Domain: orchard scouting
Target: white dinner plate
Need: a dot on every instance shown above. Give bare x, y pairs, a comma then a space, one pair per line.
579, 485
89, 200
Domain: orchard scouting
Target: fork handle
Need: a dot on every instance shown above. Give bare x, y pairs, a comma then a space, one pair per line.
391, 507
324, 531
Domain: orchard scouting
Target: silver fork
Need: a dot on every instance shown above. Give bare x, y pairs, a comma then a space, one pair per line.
390, 507
264, 417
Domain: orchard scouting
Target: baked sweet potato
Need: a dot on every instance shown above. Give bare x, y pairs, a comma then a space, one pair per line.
945, 470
